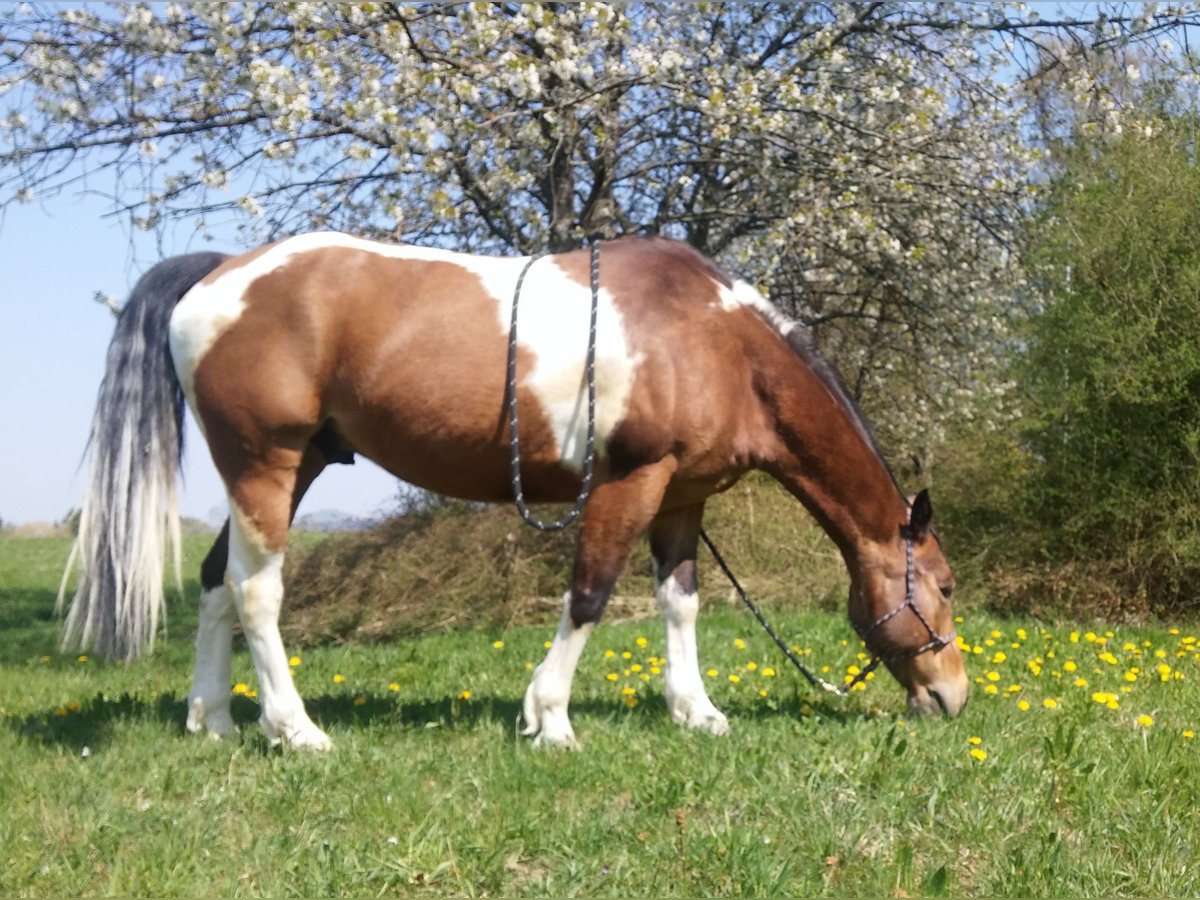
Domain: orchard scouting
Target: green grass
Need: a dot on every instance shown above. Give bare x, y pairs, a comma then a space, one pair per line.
430, 791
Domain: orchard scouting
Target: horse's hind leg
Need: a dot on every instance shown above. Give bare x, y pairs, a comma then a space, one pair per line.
617, 513
673, 541
224, 595
208, 701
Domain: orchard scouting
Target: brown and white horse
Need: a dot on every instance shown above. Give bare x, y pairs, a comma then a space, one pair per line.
303, 352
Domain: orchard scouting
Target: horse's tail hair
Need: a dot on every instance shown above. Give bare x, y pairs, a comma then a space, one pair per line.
130, 510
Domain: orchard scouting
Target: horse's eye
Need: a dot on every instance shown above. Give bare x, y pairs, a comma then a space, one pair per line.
947, 591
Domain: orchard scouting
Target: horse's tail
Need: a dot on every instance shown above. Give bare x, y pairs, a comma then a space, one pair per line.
130, 510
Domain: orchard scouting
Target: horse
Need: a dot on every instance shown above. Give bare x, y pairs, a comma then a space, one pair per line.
309, 350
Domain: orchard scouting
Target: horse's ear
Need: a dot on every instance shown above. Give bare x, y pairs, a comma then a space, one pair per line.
920, 516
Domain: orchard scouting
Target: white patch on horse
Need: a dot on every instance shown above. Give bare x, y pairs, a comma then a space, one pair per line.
255, 578
744, 294
554, 313
687, 700
549, 691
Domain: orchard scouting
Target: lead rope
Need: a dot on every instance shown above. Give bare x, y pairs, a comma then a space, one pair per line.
814, 680
514, 438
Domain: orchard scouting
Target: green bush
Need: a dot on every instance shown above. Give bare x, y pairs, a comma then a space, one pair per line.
1112, 368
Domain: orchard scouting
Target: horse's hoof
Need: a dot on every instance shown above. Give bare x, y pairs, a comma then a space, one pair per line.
215, 720
310, 738
547, 740
699, 714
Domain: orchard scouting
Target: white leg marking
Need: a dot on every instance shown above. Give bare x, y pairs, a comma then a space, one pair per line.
255, 578
549, 692
686, 698
208, 702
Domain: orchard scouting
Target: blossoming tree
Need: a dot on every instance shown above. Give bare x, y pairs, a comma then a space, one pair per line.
863, 162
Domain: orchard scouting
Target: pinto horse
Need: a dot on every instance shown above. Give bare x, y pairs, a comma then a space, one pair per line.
306, 351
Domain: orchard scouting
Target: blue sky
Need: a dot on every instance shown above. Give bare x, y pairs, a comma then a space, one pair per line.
54, 256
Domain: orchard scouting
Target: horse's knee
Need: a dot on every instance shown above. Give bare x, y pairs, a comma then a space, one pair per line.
587, 606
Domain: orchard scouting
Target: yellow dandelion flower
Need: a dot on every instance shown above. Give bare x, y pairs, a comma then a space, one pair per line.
636, 667
626, 654
1050, 703
763, 692
1189, 734
241, 687
712, 673
991, 689
641, 642
1144, 721
464, 695
360, 700
1074, 637
739, 643
655, 670
975, 740
958, 620
60, 711
339, 678
1069, 666
1080, 682
83, 658
768, 672
751, 667
978, 753
992, 676
1023, 705
628, 691
612, 676
735, 678
528, 666
497, 645
546, 645
631, 702
1021, 635
252, 695
1131, 675
393, 686
293, 661
609, 654
999, 657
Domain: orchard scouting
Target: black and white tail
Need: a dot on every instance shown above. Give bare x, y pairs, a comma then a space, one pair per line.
130, 511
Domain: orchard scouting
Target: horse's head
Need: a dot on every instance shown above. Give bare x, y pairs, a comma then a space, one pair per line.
900, 606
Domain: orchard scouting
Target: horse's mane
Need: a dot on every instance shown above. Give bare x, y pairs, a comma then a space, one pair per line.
800, 344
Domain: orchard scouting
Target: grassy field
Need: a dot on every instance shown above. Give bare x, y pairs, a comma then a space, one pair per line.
1073, 771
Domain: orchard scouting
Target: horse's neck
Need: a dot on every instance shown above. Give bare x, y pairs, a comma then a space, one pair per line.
824, 458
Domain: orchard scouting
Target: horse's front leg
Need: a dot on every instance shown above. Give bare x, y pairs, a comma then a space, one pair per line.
673, 541
617, 513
